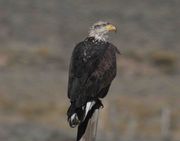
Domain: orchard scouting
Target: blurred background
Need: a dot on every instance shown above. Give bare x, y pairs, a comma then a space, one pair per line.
36, 41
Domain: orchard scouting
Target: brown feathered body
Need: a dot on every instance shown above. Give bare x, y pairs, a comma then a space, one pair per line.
92, 69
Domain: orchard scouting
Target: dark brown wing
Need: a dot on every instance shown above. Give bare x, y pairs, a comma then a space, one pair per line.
105, 72
89, 76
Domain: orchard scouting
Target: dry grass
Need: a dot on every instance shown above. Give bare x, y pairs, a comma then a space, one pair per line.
144, 113
165, 60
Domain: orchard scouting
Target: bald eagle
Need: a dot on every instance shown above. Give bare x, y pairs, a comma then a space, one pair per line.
92, 69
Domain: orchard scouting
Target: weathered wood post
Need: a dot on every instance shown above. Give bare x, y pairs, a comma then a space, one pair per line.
166, 124
91, 130
131, 129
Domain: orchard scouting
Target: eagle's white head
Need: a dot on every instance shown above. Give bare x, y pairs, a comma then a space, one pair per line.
100, 29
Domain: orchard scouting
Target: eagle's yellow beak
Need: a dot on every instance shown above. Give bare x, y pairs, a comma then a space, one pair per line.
111, 27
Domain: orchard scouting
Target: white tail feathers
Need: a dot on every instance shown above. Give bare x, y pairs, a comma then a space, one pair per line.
89, 105
75, 119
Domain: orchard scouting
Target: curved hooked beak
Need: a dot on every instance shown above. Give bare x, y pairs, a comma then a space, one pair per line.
111, 27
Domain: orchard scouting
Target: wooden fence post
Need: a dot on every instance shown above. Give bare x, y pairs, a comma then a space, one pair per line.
131, 129
166, 124
91, 130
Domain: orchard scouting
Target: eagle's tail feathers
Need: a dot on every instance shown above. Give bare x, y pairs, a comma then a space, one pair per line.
88, 107
80, 117
83, 125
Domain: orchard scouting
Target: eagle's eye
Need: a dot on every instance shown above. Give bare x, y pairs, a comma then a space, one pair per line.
97, 26
100, 25
104, 24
